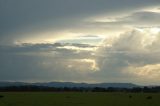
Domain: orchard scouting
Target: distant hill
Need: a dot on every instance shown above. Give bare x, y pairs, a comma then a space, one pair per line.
70, 84
5, 84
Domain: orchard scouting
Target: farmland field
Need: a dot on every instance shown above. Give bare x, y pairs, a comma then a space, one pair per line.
78, 99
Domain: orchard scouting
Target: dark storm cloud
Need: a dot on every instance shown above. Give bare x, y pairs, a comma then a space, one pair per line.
37, 15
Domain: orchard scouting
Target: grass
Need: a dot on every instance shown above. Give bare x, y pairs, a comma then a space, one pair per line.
78, 99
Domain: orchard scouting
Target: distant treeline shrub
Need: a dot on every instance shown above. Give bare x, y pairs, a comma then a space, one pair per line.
79, 89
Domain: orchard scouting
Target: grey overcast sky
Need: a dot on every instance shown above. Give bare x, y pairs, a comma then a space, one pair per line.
80, 40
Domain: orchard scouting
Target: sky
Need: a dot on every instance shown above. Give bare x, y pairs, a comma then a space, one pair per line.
80, 41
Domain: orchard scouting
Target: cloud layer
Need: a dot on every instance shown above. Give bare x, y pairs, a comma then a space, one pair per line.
84, 41
46, 62
131, 57
39, 20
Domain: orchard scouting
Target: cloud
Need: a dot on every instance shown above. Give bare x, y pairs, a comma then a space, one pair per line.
73, 40
130, 57
46, 62
84, 39
135, 19
152, 71
144, 18
39, 19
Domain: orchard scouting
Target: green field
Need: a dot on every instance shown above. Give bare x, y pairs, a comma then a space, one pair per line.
78, 99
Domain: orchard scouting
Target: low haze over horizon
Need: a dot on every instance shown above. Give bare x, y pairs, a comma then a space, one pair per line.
80, 41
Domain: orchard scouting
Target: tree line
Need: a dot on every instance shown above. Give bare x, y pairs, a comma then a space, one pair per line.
78, 89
